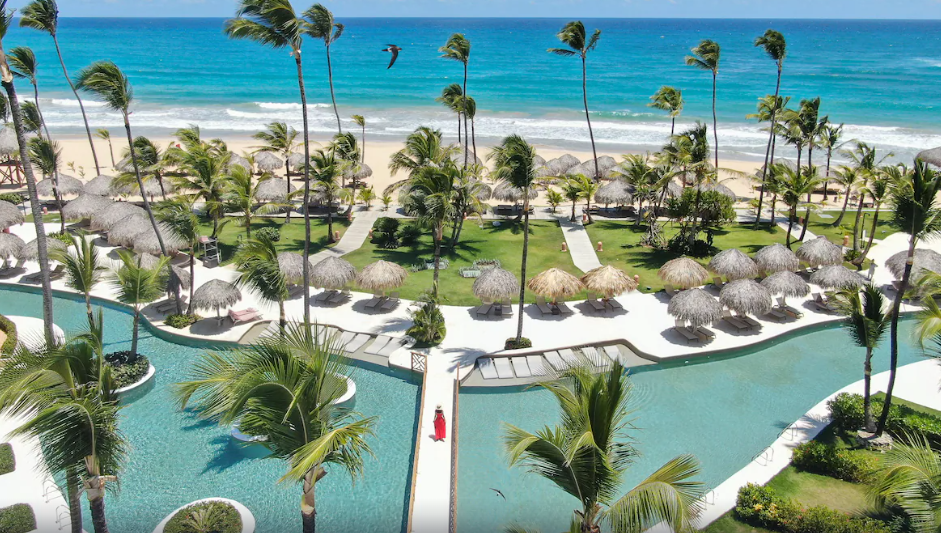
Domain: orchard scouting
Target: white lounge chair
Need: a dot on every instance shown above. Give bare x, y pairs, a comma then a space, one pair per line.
536, 365
506, 309
591, 353
378, 344
520, 367
556, 360
358, 342
504, 368
613, 352
569, 357
487, 369
405, 342
345, 339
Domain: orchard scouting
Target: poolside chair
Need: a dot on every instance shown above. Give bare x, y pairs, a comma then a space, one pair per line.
782, 305
536, 365
615, 305
734, 322
58, 272
504, 368
378, 344
680, 327
717, 282
748, 320
563, 309
704, 333
243, 316
569, 357
595, 304
294, 291
556, 360
484, 309
591, 353
613, 352
345, 338
324, 296
169, 304
506, 309
543, 306
520, 367
669, 290
821, 302
487, 370
778, 314
374, 302
391, 302
405, 342
358, 342
339, 296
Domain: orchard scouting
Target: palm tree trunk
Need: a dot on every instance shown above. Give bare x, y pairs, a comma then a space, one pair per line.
163, 190
826, 178
287, 191
870, 424
81, 106
894, 336
764, 170
38, 110
859, 214
333, 98
672, 126
806, 221
306, 267
111, 151
282, 317
474, 138
459, 138
96, 503
573, 211
872, 235
74, 495
715, 122
192, 276
588, 208
58, 198
464, 112
88, 311
134, 331
591, 134
457, 236
439, 234
846, 200
519, 320
791, 214
309, 505
330, 237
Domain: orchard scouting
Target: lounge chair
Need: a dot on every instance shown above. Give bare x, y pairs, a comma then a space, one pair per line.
782, 305
484, 309
520, 367
243, 316
339, 296
378, 344
615, 305
821, 302
779, 314
487, 370
556, 360
11, 270
506, 309
748, 320
717, 282
680, 327
669, 290
58, 272
345, 338
704, 333
295, 290
543, 306
569, 357
591, 353
405, 343
376, 301
274, 327
358, 341
536, 365
563, 309
391, 302
613, 352
734, 322
504, 368
324, 296
595, 304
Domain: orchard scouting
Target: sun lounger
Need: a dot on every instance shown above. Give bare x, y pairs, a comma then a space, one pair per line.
324, 296
487, 369
782, 305
504, 368
484, 309
543, 306
704, 332
295, 290
243, 316
358, 341
821, 302
378, 344
556, 360
274, 327
591, 353
375, 301
613, 352
748, 320
345, 338
506, 309
687, 333
734, 322
391, 302
569, 357
338, 296
564, 309
536, 365
615, 305
669, 290
57, 273
405, 343
520, 367
595, 304
170, 304
780, 315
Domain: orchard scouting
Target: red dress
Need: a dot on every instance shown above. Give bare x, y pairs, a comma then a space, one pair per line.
440, 426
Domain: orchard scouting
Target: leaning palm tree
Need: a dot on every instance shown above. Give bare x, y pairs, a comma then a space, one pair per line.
105, 135
430, 198
83, 270
46, 154
360, 121
24, 65
137, 286
768, 108
588, 452
6, 79
795, 185
669, 99
849, 178
423, 147
830, 139
43, 15
458, 48
320, 25
280, 138
206, 180
706, 57
257, 260
239, 196
574, 36
908, 477
775, 46
177, 215
273, 23
470, 112
285, 389
452, 97
878, 189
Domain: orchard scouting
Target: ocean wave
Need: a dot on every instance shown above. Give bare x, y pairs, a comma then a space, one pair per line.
934, 62
287, 106
67, 102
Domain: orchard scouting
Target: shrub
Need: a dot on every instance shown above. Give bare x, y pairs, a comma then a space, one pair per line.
181, 321
846, 415
828, 460
409, 234
127, 369
12, 197
9, 328
846, 412
760, 506
271, 233
428, 324
206, 517
65, 237
386, 225
7, 459
511, 344
17, 519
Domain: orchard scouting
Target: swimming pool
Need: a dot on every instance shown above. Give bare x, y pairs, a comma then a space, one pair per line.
176, 458
725, 411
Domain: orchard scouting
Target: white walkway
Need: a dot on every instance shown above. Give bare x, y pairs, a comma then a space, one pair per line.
579, 244
353, 238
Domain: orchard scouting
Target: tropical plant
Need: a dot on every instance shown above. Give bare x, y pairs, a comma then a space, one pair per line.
579, 44
105, 135
257, 260
205, 179
360, 121
23, 65
866, 162
452, 97
46, 154
706, 57
458, 48
572, 192
32, 120
285, 388
423, 147
239, 196
878, 190
281, 139
429, 197
320, 25
326, 169
849, 178
179, 217
554, 198
587, 454
137, 286
367, 195
587, 188
468, 200
794, 185
830, 139
768, 107
428, 322
152, 161
470, 112
908, 477
669, 99
775, 46
83, 270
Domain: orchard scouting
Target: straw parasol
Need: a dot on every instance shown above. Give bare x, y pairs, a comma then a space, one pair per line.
733, 264
555, 283
587, 168
10, 246
836, 277
146, 241
484, 191
539, 161
235, 159
496, 284
568, 161
606, 162
8, 144
608, 280
786, 283
696, 306
151, 188
296, 161
273, 190
125, 165
333, 273
924, 259
820, 251
85, 206
267, 161
9, 215
508, 193
67, 185
719, 188
215, 294
554, 167
614, 192
291, 265
124, 231
746, 296
150, 261
362, 172
932, 156
100, 185
381, 276
683, 272
472, 158
110, 215
775, 258
30, 251
674, 189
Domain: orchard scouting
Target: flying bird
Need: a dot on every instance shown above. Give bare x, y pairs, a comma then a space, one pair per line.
499, 493
394, 50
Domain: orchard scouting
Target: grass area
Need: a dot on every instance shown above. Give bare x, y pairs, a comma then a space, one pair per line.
292, 235
7, 459
728, 524
502, 242
824, 226
913, 406
17, 519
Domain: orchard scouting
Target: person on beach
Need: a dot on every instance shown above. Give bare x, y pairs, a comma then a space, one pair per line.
440, 424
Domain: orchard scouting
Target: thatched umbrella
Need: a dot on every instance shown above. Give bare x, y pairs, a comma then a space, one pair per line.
775, 258
614, 192
733, 264
124, 231
608, 280
151, 188
150, 261
472, 158
932, 156
683, 272
696, 306
236, 159
67, 185
30, 251
146, 241
215, 294
924, 259
836, 277
8, 144
719, 188
291, 265
674, 189
110, 215
555, 167
555, 283
568, 161
125, 165
820, 251
10, 246
508, 193
606, 162
296, 161
381, 276
85, 206
100, 185
333, 273
786, 283
587, 169
484, 191
496, 284
273, 190
539, 161
10, 215
746, 296
267, 161
362, 172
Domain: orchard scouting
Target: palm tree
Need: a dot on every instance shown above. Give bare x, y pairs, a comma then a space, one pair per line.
830, 139
430, 198
588, 452
866, 163
470, 112
866, 323
849, 178
423, 147
452, 97
574, 36
908, 476
768, 108
205, 179
775, 46
669, 99
573, 193
152, 161
513, 163
587, 188
43, 15
137, 286
6, 79
46, 154
239, 196
285, 388
257, 260
458, 48
706, 57
637, 172
469, 200
360, 121
795, 185
104, 134
280, 138
326, 170
23, 64
83, 270
273, 23
320, 25
878, 189
366, 195
811, 126
346, 148
178, 215
32, 121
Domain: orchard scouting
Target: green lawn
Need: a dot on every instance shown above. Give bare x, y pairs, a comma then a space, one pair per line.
823, 226
292, 235
502, 242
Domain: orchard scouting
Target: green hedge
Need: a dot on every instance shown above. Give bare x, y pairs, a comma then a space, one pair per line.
17, 519
9, 328
846, 414
181, 321
7, 459
218, 517
829, 460
761, 507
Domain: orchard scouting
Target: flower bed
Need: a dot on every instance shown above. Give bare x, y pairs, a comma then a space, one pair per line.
127, 372
219, 515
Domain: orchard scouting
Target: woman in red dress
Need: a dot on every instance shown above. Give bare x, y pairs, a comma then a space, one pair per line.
440, 424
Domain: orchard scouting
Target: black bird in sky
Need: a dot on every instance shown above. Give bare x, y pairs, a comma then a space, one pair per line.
394, 50
499, 493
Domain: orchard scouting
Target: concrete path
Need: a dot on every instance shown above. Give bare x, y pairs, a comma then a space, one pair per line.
353, 238
579, 244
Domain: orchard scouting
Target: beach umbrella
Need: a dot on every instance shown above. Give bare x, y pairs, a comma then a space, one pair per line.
150, 261
215, 294
608, 280
746, 296
267, 161
10, 246
291, 265
820, 251
235, 159
786, 283
381, 276
587, 169
125, 165
124, 231
555, 167
67, 185
568, 161
508, 193
719, 188
696, 306
273, 190
151, 188
85, 206
10, 215
146, 241
332, 273
674, 189
836, 277
484, 191
683, 272
555, 283
495, 284
30, 251
733, 264
775, 258
99, 185
614, 192
544, 172
606, 162
472, 158
296, 161
924, 259
932, 156
539, 160
8, 143
106, 218
362, 172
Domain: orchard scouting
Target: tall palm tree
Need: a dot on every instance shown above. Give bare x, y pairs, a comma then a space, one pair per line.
866, 322
669, 99
916, 212
811, 126
261, 273
470, 195
866, 163
152, 161
423, 147
513, 163
830, 139
32, 121
849, 178
452, 97
24, 65
360, 121
587, 188
105, 135
320, 25
430, 198
273, 23
46, 154
795, 185
908, 476
281, 139
6, 79
470, 111
768, 107
458, 48
83, 270
43, 15
878, 189
178, 215
588, 452
206, 180
706, 57
326, 169
137, 286
239, 196
775, 46
572, 192
285, 388
579, 44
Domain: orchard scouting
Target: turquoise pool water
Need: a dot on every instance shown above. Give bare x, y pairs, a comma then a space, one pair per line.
724, 411
177, 458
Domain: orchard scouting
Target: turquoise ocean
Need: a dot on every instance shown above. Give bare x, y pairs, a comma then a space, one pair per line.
880, 78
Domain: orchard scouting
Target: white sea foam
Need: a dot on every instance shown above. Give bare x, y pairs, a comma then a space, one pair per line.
66, 102
287, 106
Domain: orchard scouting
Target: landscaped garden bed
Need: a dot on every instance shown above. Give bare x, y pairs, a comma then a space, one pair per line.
7, 459
127, 370
17, 519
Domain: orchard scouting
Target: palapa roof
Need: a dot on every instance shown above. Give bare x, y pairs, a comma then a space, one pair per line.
924, 259
268, 161
606, 162
67, 185
746, 296
496, 284
333, 273
932, 156
836, 277
151, 187
100, 185
683, 272
539, 161
775, 258
235, 159
85, 206
568, 161
296, 161
10, 245
555, 283
472, 158
291, 265
696, 306
381, 275
273, 190
125, 230
820, 251
8, 144
150, 261
30, 250
719, 188
608, 280
614, 192
10, 215
674, 189
733, 264
508, 193
786, 283
215, 294
146, 241
110, 215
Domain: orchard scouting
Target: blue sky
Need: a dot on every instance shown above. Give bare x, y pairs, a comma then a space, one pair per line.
872, 9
